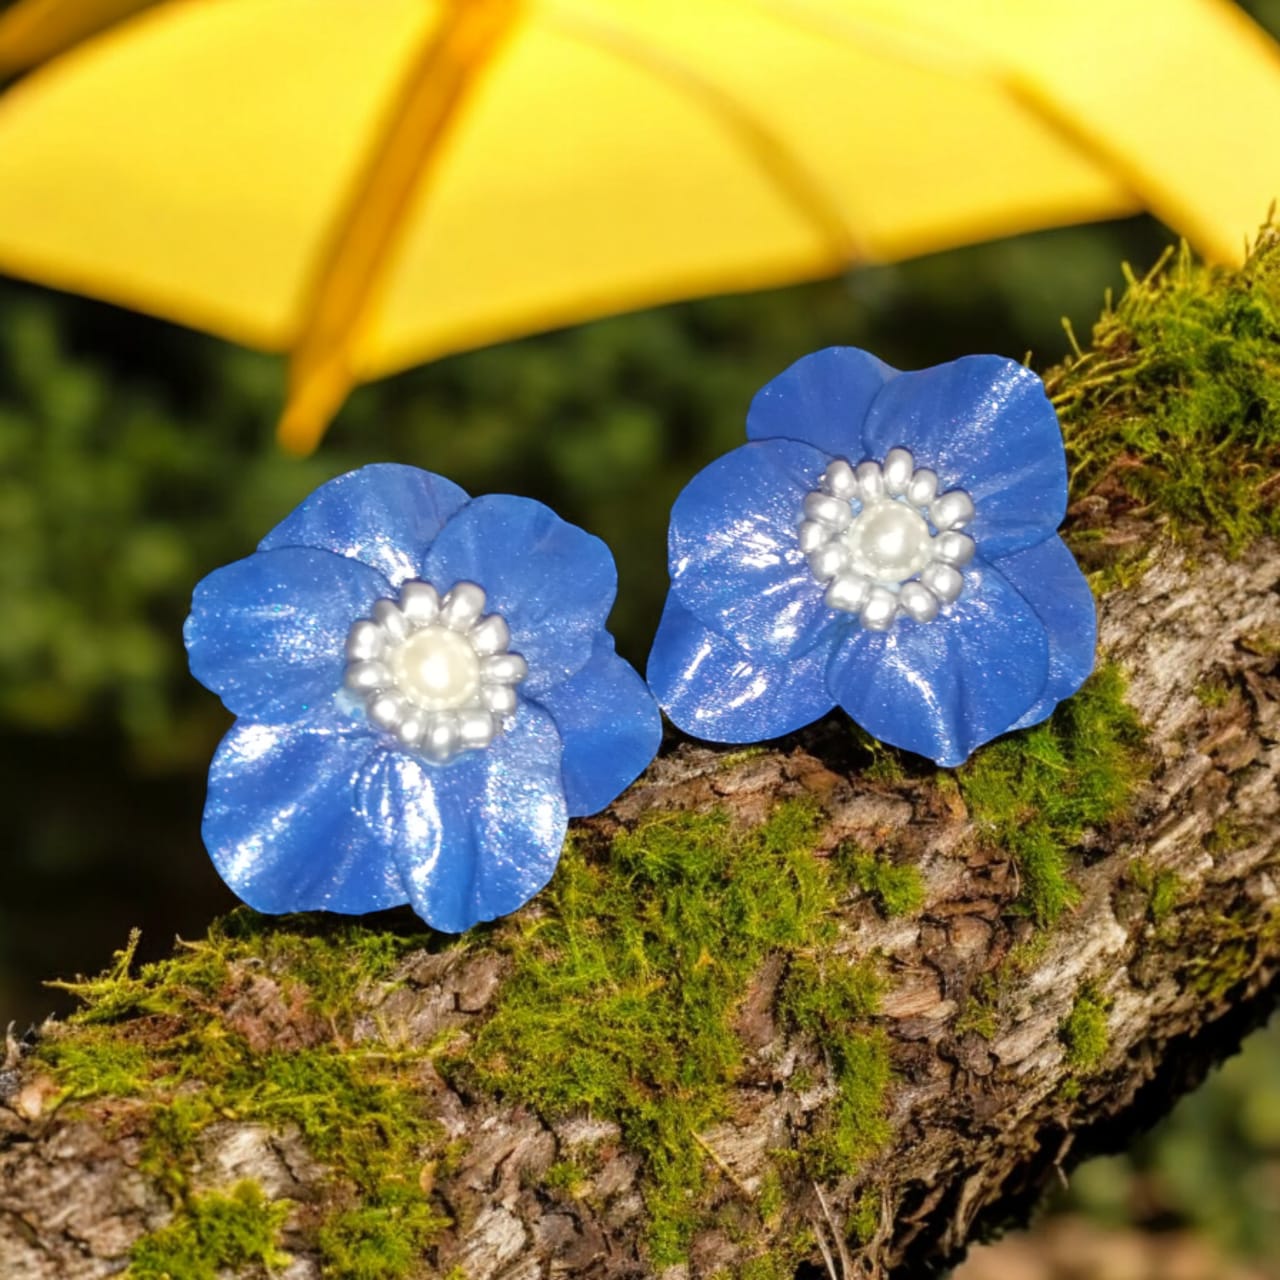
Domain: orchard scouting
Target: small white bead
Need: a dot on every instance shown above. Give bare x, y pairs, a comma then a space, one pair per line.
504, 668
462, 606
839, 481
944, 581
954, 548
870, 481
386, 613
476, 729
499, 698
364, 677
827, 510
951, 511
387, 710
419, 602
878, 611
490, 635
923, 488
436, 668
827, 561
899, 467
847, 593
813, 535
918, 602
365, 641
440, 741
889, 541
411, 729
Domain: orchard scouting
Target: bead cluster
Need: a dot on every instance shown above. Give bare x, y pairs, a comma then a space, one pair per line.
885, 541
435, 670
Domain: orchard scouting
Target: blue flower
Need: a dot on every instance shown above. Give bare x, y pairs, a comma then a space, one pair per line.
425, 694
885, 542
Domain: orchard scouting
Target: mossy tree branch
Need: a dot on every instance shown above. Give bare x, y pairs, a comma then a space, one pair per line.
812, 1003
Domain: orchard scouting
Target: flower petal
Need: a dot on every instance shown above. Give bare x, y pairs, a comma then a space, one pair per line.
943, 688
985, 425
734, 552
385, 516
610, 727
477, 838
1049, 580
712, 689
268, 633
553, 582
280, 821
822, 399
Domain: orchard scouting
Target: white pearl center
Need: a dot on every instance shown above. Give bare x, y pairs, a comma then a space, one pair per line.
436, 668
888, 541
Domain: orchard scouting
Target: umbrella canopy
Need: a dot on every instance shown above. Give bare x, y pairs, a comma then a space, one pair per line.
367, 184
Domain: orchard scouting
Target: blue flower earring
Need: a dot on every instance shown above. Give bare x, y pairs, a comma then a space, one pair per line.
425, 694
886, 542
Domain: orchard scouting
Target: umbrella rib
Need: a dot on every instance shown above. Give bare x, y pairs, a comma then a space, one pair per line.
459, 48
33, 31
771, 155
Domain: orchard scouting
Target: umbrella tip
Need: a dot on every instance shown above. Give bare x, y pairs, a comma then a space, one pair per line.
312, 403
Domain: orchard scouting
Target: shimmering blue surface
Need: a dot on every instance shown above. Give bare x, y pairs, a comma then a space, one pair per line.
281, 828
1049, 580
477, 838
310, 806
715, 690
985, 425
610, 725
384, 515
735, 560
748, 649
822, 399
268, 633
943, 688
553, 582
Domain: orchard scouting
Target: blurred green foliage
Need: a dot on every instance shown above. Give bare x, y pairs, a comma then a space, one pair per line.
1213, 1163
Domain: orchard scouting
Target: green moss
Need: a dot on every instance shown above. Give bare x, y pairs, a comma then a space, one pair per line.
567, 1176
864, 1221
1230, 951
625, 988
1212, 693
1035, 793
624, 994
213, 1233
97, 1064
896, 890
1177, 404
978, 1015
155, 1035
1084, 1031
1162, 887
1228, 835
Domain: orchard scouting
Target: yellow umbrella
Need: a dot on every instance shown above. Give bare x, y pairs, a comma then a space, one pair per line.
370, 183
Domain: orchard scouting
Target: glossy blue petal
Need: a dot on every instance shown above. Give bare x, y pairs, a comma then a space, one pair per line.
943, 688
475, 839
821, 399
610, 727
553, 582
712, 689
734, 552
1050, 581
984, 424
268, 633
385, 516
280, 825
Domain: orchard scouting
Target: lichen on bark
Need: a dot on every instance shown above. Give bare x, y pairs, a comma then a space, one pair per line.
812, 1002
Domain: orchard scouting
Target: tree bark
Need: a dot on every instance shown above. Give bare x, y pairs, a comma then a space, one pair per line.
978, 1122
